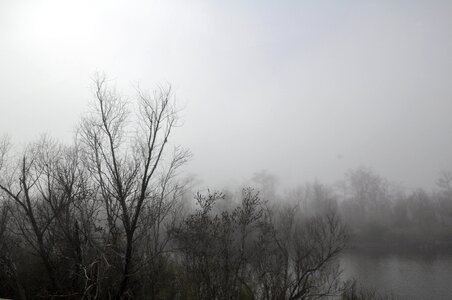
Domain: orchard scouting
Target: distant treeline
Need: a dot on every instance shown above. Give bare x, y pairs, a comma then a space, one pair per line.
379, 215
383, 216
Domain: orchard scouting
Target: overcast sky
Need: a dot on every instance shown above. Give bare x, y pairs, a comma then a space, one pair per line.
303, 89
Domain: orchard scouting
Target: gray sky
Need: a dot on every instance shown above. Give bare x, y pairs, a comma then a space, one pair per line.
304, 89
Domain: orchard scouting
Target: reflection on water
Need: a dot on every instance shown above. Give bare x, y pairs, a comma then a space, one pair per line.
408, 276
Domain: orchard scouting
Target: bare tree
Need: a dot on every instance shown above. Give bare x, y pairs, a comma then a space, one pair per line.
126, 159
42, 186
314, 272
258, 252
27, 186
8, 268
297, 255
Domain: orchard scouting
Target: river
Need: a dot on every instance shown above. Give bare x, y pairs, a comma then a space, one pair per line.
409, 276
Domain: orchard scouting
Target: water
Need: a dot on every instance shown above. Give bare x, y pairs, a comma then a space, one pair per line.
413, 276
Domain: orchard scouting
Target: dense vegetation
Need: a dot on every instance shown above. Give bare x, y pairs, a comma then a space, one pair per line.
109, 217
384, 216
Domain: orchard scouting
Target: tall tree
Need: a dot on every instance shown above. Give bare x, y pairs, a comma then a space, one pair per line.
126, 153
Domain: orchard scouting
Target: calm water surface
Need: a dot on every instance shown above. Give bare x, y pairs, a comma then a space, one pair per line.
408, 276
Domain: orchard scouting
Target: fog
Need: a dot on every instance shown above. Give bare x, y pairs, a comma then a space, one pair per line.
225, 149
305, 90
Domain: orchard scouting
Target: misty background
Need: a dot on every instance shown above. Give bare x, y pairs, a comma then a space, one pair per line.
306, 90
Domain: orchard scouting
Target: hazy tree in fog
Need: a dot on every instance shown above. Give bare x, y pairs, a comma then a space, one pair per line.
216, 247
41, 187
8, 268
445, 197
298, 254
313, 198
266, 183
366, 196
255, 251
125, 158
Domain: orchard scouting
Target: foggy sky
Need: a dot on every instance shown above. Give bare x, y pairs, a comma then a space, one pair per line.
303, 89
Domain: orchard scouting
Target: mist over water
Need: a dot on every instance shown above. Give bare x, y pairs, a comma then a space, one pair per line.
409, 276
